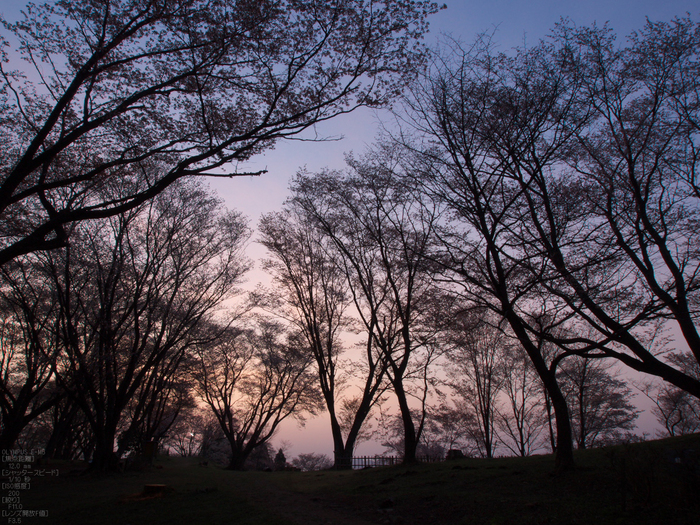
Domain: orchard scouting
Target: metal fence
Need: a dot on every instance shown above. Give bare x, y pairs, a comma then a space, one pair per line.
360, 462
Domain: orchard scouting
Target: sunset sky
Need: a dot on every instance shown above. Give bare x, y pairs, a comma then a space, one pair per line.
513, 23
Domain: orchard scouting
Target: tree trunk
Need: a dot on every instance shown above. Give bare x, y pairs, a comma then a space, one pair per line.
343, 458
238, 458
241, 451
488, 441
60, 437
104, 457
410, 441
564, 453
236, 463
342, 452
8, 438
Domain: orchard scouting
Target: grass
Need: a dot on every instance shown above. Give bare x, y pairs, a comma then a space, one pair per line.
642, 483
194, 494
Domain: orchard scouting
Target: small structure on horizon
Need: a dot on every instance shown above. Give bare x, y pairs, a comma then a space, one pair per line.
454, 453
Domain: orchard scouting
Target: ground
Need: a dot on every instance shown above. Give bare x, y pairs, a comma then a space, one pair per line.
645, 483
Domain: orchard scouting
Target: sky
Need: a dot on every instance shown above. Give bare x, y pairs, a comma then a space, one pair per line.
514, 23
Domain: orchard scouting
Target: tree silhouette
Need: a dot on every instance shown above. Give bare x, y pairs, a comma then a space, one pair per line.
311, 292
135, 292
570, 170
381, 236
131, 95
252, 380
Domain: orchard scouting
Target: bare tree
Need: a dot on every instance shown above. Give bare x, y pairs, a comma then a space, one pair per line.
382, 238
132, 95
134, 293
186, 436
311, 293
311, 461
676, 409
449, 427
572, 163
67, 434
456, 111
28, 347
601, 403
476, 375
155, 408
604, 184
254, 381
639, 152
521, 419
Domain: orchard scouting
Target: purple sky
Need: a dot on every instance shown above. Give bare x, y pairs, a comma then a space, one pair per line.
515, 23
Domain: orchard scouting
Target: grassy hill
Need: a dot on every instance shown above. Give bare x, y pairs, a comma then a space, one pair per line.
645, 483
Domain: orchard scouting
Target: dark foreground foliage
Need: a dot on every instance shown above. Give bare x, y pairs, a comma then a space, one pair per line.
643, 483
